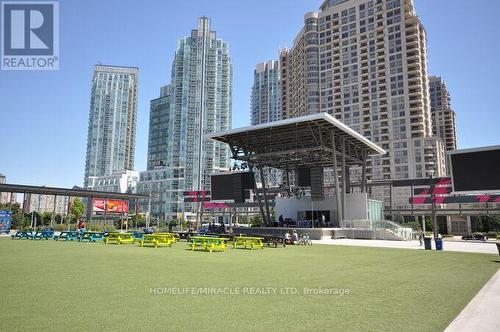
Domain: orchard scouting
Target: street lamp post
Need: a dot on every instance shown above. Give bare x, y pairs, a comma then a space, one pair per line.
435, 230
312, 213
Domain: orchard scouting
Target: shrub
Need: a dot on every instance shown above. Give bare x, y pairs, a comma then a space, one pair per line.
412, 224
492, 235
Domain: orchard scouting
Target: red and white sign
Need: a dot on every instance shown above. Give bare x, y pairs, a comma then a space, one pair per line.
113, 206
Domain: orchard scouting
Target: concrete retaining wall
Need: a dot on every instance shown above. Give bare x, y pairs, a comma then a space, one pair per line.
314, 233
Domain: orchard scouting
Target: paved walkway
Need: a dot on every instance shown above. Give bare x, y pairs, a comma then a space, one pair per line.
482, 313
484, 248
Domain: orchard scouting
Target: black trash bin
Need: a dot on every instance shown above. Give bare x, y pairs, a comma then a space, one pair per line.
428, 243
439, 243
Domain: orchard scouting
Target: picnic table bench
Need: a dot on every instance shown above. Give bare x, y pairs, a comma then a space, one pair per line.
174, 236
274, 241
67, 236
248, 242
91, 236
22, 234
138, 236
207, 243
42, 235
158, 239
119, 238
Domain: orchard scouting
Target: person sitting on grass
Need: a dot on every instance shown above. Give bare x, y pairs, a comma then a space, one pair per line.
295, 237
307, 239
287, 238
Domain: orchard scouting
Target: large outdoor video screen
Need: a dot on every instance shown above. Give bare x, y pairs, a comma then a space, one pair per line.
476, 171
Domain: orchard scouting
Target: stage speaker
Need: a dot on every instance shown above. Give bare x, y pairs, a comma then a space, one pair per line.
317, 180
303, 177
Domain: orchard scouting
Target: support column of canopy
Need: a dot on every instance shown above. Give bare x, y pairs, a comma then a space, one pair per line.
264, 192
344, 181
363, 173
336, 182
68, 213
261, 209
53, 212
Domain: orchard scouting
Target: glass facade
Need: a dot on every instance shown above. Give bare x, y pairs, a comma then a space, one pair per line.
112, 121
197, 102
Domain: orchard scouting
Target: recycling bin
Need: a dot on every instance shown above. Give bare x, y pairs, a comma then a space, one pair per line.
439, 243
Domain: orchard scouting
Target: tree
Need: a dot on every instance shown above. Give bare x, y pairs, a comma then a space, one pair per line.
138, 220
488, 224
17, 214
46, 218
256, 221
77, 208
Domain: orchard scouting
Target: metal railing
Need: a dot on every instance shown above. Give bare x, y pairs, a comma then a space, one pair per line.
403, 233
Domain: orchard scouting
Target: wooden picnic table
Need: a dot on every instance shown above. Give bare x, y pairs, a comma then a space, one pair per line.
67, 236
158, 239
91, 236
208, 243
248, 242
119, 238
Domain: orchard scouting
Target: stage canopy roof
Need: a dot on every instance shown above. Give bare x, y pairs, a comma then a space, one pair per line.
298, 142
75, 192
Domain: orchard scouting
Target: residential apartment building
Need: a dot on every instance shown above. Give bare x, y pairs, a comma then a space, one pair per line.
112, 121
443, 117
266, 105
197, 102
45, 203
159, 123
265, 98
6, 198
118, 182
365, 62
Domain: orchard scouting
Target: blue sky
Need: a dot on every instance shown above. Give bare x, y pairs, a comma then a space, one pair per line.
44, 115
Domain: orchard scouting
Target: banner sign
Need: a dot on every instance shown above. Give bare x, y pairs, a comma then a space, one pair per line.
455, 199
197, 193
210, 206
114, 206
432, 191
196, 199
196, 196
422, 182
5, 221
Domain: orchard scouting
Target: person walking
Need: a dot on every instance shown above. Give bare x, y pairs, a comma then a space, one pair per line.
81, 226
420, 235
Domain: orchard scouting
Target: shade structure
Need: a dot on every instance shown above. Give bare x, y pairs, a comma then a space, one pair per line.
75, 192
305, 141
315, 140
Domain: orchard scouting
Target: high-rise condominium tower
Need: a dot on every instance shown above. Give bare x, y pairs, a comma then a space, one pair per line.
443, 116
160, 129
265, 99
365, 62
112, 121
266, 104
197, 102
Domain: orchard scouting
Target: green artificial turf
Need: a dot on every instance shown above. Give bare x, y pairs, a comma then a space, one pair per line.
49, 285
